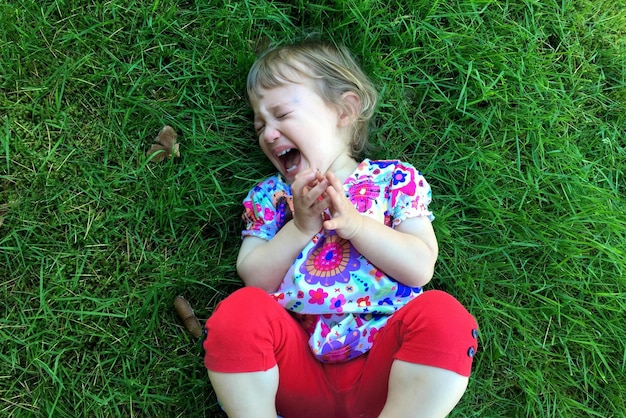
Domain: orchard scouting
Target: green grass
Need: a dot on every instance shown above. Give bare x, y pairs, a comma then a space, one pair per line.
514, 110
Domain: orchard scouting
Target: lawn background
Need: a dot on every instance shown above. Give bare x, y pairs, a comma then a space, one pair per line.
514, 110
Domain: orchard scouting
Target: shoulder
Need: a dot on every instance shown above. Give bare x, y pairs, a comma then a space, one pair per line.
388, 170
268, 187
384, 165
275, 182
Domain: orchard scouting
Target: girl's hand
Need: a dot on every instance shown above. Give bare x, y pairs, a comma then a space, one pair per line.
346, 221
309, 201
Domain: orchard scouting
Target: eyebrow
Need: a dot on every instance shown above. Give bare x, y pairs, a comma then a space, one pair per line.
277, 107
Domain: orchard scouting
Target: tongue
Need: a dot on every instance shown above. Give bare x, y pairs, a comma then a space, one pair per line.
292, 159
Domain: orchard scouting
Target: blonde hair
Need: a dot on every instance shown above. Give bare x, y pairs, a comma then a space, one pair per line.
335, 72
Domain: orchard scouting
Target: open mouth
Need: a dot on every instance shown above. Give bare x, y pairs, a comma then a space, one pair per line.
290, 158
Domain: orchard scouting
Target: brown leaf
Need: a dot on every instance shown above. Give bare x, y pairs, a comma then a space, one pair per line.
166, 143
188, 316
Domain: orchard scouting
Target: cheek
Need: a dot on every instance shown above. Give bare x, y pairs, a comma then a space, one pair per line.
267, 152
262, 144
264, 148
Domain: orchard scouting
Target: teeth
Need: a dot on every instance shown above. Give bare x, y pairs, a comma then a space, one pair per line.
283, 152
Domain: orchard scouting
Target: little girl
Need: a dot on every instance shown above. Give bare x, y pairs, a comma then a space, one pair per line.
333, 321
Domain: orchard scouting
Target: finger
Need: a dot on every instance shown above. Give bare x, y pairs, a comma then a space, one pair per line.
307, 172
317, 179
319, 176
321, 201
321, 186
303, 181
315, 199
333, 180
313, 182
315, 193
330, 225
334, 198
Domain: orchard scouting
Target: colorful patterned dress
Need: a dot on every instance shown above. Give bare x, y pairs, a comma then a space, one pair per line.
337, 294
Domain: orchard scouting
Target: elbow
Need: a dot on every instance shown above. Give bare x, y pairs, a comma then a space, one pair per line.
419, 272
419, 275
252, 278
245, 274
427, 270
242, 271
430, 269
245, 271
426, 275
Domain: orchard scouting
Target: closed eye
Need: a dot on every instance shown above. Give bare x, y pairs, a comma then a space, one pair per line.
279, 116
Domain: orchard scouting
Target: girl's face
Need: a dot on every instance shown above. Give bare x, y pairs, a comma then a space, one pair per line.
298, 129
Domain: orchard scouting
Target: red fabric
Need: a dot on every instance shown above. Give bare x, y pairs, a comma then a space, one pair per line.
250, 332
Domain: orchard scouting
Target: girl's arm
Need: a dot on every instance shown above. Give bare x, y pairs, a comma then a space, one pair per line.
407, 253
263, 263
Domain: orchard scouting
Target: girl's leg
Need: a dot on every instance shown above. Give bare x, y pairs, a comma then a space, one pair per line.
421, 360
422, 391
259, 360
247, 394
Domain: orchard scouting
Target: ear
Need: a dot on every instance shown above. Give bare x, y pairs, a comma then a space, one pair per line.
350, 110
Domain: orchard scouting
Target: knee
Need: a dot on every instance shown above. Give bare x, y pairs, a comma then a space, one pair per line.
439, 327
439, 315
248, 292
240, 335
443, 319
241, 300
245, 296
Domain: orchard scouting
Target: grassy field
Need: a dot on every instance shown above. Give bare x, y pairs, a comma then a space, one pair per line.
514, 110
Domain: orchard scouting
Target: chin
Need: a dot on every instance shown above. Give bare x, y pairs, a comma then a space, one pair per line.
290, 177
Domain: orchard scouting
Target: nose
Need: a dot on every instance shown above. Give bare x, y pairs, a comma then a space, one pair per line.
270, 134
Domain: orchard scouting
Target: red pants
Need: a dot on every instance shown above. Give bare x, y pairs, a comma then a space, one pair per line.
250, 332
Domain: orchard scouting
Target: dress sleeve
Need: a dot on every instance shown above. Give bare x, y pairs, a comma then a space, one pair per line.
410, 194
260, 215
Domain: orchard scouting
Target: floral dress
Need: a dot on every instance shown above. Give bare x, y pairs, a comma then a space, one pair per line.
341, 298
